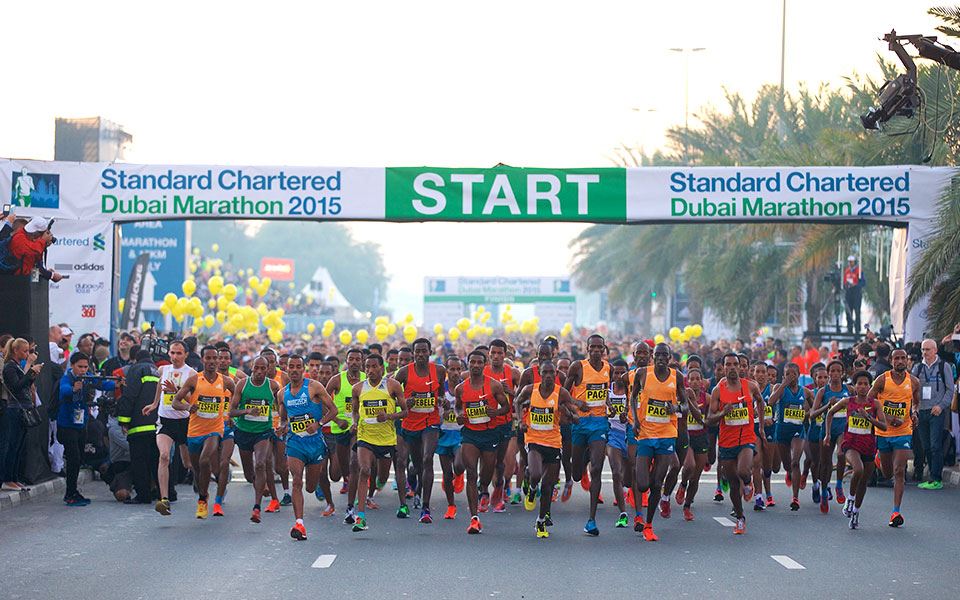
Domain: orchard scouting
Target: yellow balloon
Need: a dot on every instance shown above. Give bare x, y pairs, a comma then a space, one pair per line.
121, 303
169, 299
392, 329
164, 309
659, 339
409, 333
189, 287
687, 330
408, 318
463, 324
230, 291
381, 331
193, 267
363, 335
438, 329
329, 324
674, 333
144, 326
381, 320
697, 330
441, 338
454, 334
178, 318
253, 282
471, 333
311, 327
208, 321
215, 284
215, 247
346, 337
274, 335
484, 317
221, 316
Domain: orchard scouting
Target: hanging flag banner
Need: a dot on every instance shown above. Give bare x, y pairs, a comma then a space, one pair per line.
133, 300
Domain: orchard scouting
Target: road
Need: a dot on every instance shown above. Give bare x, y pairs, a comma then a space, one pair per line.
108, 550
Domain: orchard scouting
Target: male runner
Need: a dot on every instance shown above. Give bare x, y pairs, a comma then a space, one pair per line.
304, 408
661, 391
448, 445
251, 407
792, 403
696, 457
208, 393
814, 439
531, 375
172, 424
899, 394
616, 439
641, 359
340, 387
859, 444
761, 476
588, 381
321, 371
224, 363
479, 400
279, 446
507, 376
826, 397
422, 381
540, 406
374, 404
732, 404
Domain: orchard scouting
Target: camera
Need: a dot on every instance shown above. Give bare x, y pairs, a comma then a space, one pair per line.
158, 347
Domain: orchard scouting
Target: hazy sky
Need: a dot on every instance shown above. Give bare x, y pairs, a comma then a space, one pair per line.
417, 83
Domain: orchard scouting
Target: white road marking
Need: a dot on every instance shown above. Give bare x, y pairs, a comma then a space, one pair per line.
787, 562
725, 521
324, 560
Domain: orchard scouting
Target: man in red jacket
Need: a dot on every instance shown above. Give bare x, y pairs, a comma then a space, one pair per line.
29, 244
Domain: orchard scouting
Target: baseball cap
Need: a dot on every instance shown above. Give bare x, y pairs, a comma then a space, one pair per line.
852, 257
36, 225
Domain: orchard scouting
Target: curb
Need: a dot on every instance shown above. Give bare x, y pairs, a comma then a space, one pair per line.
10, 500
951, 477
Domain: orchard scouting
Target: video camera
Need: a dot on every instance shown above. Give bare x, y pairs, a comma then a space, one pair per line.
159, 347
92, 383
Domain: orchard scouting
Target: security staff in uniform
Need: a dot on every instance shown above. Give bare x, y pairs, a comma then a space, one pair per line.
142, 379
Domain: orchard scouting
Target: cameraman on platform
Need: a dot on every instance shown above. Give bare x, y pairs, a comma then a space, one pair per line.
28, 246
75, 396
140, 388
853, 283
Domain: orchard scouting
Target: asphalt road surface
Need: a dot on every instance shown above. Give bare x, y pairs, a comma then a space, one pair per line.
108, 550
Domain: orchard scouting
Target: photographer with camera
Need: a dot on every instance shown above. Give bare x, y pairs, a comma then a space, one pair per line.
28, 245
18, 398
75, 396
853, 283
137, 414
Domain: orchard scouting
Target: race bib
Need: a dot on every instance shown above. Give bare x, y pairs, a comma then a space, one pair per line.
299, 425
739, 415
897, 410
168, 399
541, 418
450, 418
693, 424
596, 395
618, 406
423, 402
476, 412
263, 411
78, 414
369, 409
657, 411
794, 415
768, 412
859, 425
208, 407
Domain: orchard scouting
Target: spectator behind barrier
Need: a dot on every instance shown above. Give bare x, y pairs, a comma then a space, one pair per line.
20, 371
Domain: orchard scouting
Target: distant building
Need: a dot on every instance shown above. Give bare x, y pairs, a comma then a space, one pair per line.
92, 139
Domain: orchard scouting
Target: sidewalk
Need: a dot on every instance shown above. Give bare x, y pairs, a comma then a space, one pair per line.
57, 485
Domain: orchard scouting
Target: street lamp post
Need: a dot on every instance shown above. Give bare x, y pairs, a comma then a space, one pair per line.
686, 88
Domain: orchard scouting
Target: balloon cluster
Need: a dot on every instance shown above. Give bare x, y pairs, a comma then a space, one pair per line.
681, 335
234, 319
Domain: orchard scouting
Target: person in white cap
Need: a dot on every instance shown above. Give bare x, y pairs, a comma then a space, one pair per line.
853, 283
28, 245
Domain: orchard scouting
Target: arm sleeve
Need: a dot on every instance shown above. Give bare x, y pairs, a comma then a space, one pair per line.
16, 381
949, 380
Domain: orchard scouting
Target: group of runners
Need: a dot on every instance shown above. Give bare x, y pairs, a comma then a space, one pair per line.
503, 435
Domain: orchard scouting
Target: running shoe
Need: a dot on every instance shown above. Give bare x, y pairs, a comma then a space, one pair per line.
79, 497
847, 508
718, 496
599, 498
542, 530
725, 486
163, 507
425, 517
628, 497
637, 524
515, 498
706, 467
298, 532
286, 500
816, 493
416, 502
622, 521
556, 493
644, 497
896, 520
475, 526
403, 512
500, 507
931, 485
547, 520
350, 517
787, 480
687, 514
854, 520
824, 504
841, 497
759, 505
319, 494
458, 484
74, 501
410, 493
372, 504
741, 527
648, 533
360, 524
591, 528
451, 513
829, 493
747, 492
345, 487
681, 494
585, 481
217, 509
328, 511
664, 506
255, 515
795, 504
567, 490
771, 502
201, 509
530, 500
484, 502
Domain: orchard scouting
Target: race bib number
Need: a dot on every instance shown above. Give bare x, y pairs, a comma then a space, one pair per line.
263, 411
596, 395
450, 418
693, 424
168, 399
423, 402
859, 425
476, 412
541, 418
794, 415
369, 409
897, 410
618, 406
657, 411
739, 415
299, 425
208, 407
768, 412
842, 413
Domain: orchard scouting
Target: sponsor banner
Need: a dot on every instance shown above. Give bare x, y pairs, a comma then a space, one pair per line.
277, 269
894, 194
498, 290
506, 194
166, 242
133, 300
84, 253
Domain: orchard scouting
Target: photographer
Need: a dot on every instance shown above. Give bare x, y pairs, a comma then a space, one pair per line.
28, 246
75, 394
853, 283
18, 395
140, 388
